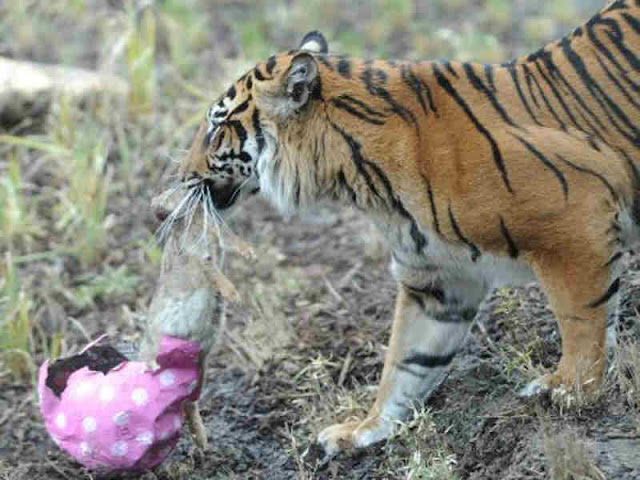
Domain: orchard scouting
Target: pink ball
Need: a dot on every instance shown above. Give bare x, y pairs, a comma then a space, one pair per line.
128, 419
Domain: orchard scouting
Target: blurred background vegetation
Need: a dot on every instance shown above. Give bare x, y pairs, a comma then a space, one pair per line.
77, 252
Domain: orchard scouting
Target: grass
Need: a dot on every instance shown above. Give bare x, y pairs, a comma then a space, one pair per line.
430, 460
627, 371
17, 215
15, 325
570, 457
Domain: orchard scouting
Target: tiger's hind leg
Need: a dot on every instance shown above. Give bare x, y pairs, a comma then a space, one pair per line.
430, 325
579, 287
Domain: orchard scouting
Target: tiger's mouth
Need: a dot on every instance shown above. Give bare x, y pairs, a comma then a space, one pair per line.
224, 196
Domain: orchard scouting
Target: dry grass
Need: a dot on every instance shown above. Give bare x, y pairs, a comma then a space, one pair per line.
570, 457
627, 371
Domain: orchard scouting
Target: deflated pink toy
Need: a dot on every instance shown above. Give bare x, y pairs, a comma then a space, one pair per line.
115, 415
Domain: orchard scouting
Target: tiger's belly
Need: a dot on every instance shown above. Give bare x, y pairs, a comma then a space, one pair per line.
440, 262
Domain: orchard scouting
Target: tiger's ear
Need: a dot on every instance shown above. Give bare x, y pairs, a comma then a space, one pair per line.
300, 79
314, 42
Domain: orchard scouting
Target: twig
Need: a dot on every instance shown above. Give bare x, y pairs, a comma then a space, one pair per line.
345, 368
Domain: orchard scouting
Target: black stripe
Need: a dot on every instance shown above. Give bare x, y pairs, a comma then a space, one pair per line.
611, 291
427, 90
426, 360
611, 109
475, 251
588, 171
418, 237
432, 203
514, 77
450, 69
370, 111
617, 5
633, 22
255, 119
409, 78
557, 94
358, 160
617, 256
239, 128
207, 138
344, 66
417, 298
376, 88
342, 105
556, 73
616, 36
240, 108
231, 94
258, 74
392, 201
531, 78
528, 76
271, 64
622, 71
547, 163
325, 61
478, 84
617, 83
511, 245
497, 155
431, 291
342, 180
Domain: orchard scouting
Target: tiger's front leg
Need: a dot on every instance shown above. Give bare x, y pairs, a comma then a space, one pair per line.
429, 327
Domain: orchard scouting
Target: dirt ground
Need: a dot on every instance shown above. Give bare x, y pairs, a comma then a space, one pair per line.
305, 348
327, 329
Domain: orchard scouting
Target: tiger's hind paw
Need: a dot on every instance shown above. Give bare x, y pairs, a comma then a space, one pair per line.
534, 388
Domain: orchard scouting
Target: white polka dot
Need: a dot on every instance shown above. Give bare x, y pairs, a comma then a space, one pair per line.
139, 396
85, 448
167, 378
119, 449
106, 394
121, 419
89, 424
61, 420
145, 438
83, 389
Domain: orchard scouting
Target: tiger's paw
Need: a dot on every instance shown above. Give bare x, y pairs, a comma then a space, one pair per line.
562, 391
535, 387
350, 435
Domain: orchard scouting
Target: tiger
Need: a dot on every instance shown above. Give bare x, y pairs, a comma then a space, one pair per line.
476, 175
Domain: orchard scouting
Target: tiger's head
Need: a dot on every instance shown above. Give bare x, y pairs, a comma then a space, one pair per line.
234, 148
